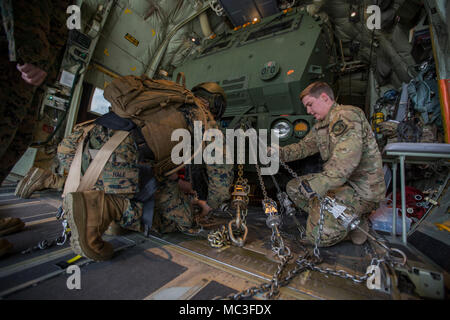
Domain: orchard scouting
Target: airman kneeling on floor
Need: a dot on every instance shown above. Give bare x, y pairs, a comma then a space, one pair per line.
352, 173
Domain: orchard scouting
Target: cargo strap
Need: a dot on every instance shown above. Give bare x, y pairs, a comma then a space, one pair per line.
74, 176
89, 179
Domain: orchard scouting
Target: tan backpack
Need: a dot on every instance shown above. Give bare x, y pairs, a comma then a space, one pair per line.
153, 105
139, 98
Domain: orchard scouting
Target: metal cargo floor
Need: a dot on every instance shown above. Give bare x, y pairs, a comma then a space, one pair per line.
172, 266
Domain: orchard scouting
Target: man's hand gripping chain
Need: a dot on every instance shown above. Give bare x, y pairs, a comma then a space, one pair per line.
351, 222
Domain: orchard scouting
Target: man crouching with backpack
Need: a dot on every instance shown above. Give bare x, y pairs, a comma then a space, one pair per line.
135, 186
207, 185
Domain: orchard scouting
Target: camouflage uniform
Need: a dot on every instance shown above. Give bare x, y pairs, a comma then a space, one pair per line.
120, 176
352, 171
172, 207
40, 32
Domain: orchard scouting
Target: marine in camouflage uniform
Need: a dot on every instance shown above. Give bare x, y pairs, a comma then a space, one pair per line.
352, 172
113, 199
40, 33
120, 174
173, 208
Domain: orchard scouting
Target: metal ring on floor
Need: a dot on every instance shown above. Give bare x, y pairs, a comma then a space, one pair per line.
401, 253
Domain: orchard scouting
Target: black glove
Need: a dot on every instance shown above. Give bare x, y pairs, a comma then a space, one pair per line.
199, 179
306, 190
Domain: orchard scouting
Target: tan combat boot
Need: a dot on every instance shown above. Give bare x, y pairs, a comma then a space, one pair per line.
89, 215
10, 225
38, 179
5, 246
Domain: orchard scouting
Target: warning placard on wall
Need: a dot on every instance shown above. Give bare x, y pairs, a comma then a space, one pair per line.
132, 39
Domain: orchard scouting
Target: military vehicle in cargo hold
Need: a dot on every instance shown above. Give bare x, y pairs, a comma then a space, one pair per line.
263, 66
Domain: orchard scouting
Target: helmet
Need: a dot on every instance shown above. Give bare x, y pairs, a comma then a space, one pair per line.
211, 87
215, 95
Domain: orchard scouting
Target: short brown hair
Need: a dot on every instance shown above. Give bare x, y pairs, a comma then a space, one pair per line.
316, 89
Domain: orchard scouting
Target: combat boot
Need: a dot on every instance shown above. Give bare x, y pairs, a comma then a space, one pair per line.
89, 215
10, 225
357, 236
5, 246
38, 179
115, 229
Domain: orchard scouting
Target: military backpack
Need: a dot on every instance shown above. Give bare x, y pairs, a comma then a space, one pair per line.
153, 105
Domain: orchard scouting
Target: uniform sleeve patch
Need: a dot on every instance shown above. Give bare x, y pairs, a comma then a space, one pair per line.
339, 128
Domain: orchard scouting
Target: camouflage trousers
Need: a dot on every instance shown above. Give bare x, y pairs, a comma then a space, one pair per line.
132, 215
126, 211
19, 106
333, 232
173, 211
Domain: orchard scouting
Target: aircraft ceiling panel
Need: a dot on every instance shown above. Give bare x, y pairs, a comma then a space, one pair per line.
135, 30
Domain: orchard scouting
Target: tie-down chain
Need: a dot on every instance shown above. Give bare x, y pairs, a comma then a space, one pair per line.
236, 232
59, 241
341, 214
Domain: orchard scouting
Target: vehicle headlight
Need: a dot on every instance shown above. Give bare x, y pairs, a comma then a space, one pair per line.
283, 129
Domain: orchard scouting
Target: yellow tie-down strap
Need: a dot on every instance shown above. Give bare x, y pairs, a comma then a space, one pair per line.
443, 226
76, 258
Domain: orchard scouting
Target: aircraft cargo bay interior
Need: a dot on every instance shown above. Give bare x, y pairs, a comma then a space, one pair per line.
225, 150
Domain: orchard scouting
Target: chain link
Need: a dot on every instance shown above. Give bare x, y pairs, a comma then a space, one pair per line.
261, 183
275, 283
238, 226
320, 231
338, 273
59, 241
289, 169
278, 247
219, 238
341, 273
272, 288
284, 253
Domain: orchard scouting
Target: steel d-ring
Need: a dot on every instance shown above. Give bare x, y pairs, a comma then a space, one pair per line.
239, 241
402, 254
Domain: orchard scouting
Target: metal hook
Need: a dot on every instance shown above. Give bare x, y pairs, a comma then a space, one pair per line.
239, 241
